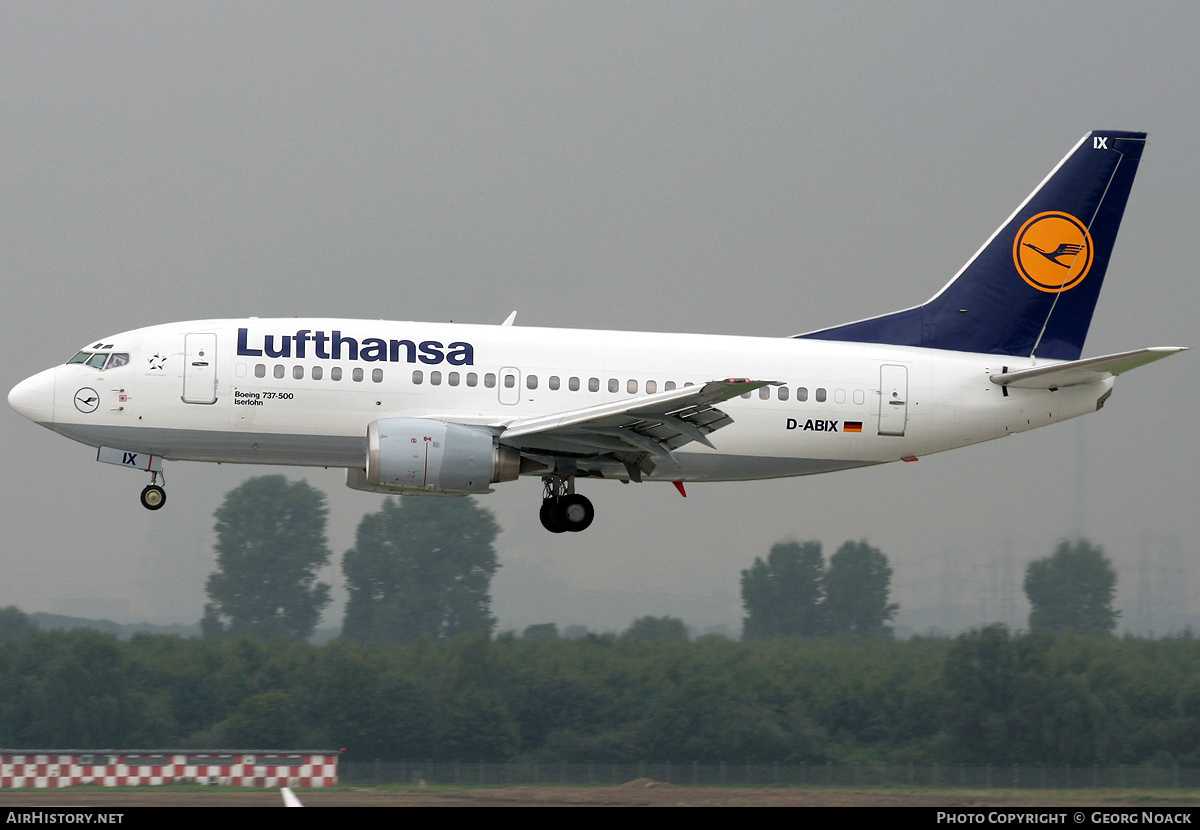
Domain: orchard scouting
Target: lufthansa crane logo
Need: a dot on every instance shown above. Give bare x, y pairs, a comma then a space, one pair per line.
86, 400
1053, 251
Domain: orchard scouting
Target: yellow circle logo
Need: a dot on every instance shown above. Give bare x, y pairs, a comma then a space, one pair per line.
1053, 251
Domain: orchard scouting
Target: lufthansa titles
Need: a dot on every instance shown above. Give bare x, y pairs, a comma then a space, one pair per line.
336, 346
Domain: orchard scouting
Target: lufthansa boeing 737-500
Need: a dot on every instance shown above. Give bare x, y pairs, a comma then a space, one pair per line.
451, 409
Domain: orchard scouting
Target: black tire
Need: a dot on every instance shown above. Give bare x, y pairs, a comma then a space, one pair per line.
574, 513
153, 497
549, 521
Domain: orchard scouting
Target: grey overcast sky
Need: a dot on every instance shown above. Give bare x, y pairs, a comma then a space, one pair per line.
743, 168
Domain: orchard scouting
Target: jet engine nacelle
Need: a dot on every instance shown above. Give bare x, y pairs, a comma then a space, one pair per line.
424, 455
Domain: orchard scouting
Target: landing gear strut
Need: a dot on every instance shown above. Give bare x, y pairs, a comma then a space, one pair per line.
154, 496
564, 510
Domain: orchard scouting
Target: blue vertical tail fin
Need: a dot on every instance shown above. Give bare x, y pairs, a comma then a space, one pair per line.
1031, 289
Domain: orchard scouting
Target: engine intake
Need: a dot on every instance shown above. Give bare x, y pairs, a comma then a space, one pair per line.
424, 455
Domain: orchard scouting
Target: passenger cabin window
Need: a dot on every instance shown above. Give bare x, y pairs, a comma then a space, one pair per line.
821, 394
418, 377
554, 383
357, 375
260, 370
802, 393
317, 373
764, 393
435, 378
783, 393
489, 380
668, 386
377, 376
613, 384
472, 379
452, 378
573, 384
531, 381
278, 371
651, 387
298, 372
631, 387
335, 373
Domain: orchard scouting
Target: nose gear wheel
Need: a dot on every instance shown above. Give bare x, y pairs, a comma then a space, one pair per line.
153, 497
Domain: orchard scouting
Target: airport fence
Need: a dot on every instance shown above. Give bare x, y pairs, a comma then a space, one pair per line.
485, 773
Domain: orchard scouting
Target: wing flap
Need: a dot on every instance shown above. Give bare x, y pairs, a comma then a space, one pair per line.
653, 425
1088, 370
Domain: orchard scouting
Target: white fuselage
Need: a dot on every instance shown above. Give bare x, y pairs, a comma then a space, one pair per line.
303, 392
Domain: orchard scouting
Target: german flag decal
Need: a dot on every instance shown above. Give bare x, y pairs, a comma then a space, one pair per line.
852, 426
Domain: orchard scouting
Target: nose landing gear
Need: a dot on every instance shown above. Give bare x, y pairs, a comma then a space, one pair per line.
154, 496
564, 510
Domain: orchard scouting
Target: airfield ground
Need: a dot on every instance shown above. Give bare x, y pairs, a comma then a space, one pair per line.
641, 793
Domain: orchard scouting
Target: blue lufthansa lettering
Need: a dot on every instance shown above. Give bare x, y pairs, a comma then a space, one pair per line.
243, 349
285, 346
301, 336
373, 349
336, 346
431, 352
350, 342
407, 344
461, 354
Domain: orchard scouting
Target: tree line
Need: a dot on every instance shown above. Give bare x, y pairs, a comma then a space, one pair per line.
419, 674
987, 696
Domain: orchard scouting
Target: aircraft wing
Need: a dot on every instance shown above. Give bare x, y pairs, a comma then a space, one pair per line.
633, 429
1088, 370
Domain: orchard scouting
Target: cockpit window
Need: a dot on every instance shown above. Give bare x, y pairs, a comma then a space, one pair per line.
98, 360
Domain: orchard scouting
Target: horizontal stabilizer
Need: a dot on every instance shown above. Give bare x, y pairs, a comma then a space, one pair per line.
1089, 370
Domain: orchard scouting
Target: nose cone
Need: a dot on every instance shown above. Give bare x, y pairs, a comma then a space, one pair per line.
34, 397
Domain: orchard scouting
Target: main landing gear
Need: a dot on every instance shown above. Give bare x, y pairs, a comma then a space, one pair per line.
154, 496
564, 510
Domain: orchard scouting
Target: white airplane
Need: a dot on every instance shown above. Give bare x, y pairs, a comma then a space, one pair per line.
446, 409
